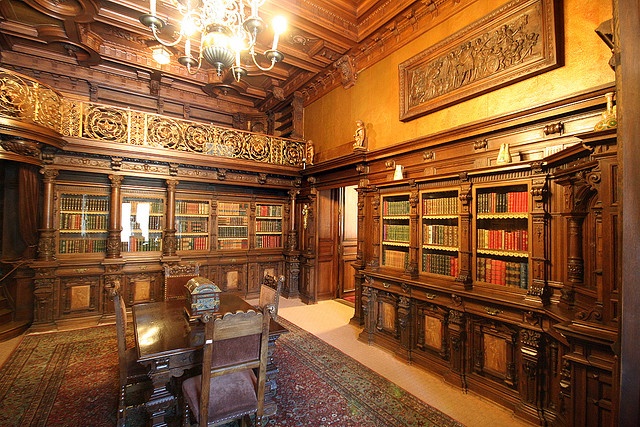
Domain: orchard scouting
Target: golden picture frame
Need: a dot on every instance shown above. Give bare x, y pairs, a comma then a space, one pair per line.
514, 42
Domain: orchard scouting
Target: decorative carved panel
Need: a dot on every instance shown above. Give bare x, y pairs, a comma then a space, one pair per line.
514, 42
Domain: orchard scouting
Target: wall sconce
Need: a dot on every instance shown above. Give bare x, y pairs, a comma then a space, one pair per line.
399, 173
161, 55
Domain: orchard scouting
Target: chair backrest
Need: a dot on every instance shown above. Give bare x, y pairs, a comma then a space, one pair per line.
120, 309
235, 342
270, 290
175, 277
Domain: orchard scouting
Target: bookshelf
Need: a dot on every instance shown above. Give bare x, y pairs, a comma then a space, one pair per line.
233, 225
192, 224
395, 231
83, 223
440, 233
502, 235
268, 226
142, 223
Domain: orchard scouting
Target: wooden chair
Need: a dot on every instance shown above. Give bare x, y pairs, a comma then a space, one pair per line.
270, 290
135, 383
232, 382
175, 277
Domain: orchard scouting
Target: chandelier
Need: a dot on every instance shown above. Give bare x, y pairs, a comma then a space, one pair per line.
224, 32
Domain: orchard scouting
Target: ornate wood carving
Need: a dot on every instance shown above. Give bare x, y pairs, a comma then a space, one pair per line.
514, 42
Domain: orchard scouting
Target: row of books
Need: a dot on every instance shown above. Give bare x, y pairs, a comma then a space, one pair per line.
74, 246
154, 207
192, 208
395, 233
393, 258
514, 201
192, 243
392, 207
83, 221
84, 203
192, 226
515, 240
139, 244
446, 265
440, 206
269, 210
436, 234
233, 232
153, 222
233, 244
233, 220
269, 241
268, 225
504, 273
227, 208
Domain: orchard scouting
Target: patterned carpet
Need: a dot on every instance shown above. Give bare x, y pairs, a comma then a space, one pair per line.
70, 379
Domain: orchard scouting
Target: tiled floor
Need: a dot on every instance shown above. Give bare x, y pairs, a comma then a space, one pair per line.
329, 320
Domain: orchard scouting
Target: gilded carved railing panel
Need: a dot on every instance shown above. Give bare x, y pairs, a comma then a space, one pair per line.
25, 99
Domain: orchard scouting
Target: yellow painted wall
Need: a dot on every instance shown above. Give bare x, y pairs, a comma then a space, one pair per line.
330, 121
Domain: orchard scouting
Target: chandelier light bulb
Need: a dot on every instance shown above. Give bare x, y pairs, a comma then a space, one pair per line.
279, 25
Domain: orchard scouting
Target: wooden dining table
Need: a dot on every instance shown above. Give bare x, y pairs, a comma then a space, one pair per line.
171, 346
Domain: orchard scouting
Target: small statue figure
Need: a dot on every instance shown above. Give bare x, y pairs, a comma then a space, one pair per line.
359, 136
503, 155
309, 153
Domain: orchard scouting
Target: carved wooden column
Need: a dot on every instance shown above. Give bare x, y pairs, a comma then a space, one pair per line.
307, 284
113, 238
45, 279
374, 262
368, 315
292, 254
465, 277
539, 243
530, 383
404, 323
169, 235
297, 106
457, 338
46, 241
359, 263
414, 245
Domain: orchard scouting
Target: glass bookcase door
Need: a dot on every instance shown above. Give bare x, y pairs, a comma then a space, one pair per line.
142, 223
233, 225
268, 233
192, 225
440, 233
502, 235
395, 231
84, 219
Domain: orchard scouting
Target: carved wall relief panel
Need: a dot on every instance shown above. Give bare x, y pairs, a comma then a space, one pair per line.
514, 42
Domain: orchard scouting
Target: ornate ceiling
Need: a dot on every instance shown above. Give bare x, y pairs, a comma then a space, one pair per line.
328, 42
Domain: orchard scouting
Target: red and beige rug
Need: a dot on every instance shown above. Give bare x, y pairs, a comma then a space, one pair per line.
71, 379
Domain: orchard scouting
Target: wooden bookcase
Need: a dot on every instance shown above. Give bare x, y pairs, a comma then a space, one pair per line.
440, 233
502, 230
232, 220
268, 226
395, 237
192, 224
83, 220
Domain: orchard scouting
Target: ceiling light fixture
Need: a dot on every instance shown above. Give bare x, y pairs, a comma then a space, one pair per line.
224, 30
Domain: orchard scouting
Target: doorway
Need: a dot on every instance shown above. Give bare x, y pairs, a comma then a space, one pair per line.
337, 243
